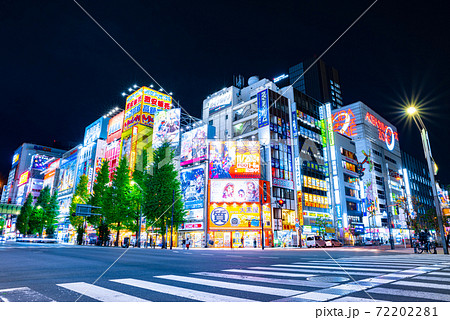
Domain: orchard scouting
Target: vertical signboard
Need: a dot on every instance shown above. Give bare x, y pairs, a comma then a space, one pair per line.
166, 128
263, 108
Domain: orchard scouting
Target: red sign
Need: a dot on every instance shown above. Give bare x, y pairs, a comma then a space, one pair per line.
385, 133
192, 226
344, 123
115, 127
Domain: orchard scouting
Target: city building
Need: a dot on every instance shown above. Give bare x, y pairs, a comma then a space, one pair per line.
320, 82
113, 141
417, 185
26, 176
377, 145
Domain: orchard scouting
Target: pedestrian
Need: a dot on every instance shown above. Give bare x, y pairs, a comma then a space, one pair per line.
183, 244
151, 241
254, 242
187, 244
242, 242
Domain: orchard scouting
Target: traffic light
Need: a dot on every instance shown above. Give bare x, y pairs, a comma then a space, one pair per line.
280, 203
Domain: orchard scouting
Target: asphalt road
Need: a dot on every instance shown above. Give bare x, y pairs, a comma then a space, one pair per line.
44, 272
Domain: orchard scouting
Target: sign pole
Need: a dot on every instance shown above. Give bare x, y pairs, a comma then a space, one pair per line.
262, 221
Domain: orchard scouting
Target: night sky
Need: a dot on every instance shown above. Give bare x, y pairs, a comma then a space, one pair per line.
59, 71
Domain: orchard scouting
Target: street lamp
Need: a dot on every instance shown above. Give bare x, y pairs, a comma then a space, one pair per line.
414, 113
138, 235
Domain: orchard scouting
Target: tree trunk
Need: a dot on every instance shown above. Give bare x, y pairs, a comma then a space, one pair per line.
117, 235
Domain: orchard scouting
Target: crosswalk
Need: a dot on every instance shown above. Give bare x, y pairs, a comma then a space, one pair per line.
357, 279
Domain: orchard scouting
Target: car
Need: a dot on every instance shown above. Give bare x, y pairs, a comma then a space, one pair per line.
315, 241
335, 243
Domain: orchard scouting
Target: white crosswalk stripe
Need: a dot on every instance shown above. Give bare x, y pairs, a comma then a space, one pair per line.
180, 292
320, 271
269, 273
422, 285
235, 286
335, 267
99, 293
411, 294
290, 282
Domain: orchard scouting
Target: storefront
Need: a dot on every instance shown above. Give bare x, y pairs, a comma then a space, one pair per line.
192, 231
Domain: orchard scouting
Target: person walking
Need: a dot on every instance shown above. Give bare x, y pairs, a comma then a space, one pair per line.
254, 242
188, 243
183, 244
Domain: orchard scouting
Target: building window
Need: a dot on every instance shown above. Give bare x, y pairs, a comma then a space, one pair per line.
376, 152
348, 154
377, 167
390, 159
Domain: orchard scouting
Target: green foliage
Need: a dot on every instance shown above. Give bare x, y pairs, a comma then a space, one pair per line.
160, 182
321, 223
81, 196
118, 204
98, 196
51, 212
22, 223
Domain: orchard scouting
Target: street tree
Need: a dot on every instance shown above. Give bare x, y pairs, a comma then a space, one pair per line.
39, 216
51, 212
81, 196
118, 205
161, 182
98, 199
23, 220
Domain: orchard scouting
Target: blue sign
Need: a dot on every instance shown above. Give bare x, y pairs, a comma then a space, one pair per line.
193, 187
294, 124
219, 216
338, 211
263, 108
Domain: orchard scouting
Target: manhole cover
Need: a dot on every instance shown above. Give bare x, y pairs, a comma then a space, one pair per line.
328, 279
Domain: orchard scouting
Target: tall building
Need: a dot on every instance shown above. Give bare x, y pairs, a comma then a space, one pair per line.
417, 184
320, 82
29, 163
377, 143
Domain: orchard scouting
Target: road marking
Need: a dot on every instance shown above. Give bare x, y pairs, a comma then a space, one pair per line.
371, 264
411, 294
99, 293
22, 294
356, 299
234, 286
284, 274
432, 278
180, 292
320, 271
264, 257
303, 283
422, 285
336, 267
233, 256
316, 296
207, 254
435, 273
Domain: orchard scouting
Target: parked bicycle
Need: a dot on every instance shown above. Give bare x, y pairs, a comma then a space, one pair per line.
429, 247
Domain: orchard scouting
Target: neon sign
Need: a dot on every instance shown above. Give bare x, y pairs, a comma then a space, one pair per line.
344, 123
385, 133
279, 78
24, 178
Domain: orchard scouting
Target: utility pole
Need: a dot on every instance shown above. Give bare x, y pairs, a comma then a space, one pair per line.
262, 220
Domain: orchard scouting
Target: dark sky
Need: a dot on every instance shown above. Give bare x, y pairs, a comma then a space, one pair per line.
59, 71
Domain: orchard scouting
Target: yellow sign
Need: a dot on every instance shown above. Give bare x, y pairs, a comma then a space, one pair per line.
24, 178
234, 216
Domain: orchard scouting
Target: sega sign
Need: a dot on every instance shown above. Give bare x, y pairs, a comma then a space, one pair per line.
263, 108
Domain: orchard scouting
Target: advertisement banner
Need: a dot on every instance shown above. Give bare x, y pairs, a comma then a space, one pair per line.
220, 102
235, 216
232, 190
234, 159
193, 187
67, 174
344, 123
23, 179
263, 108
40, 162
191, 226
283, 183
95, 130
194, 214
166, 128
115, 127
194, 145
16, 157
267, 216
300, 207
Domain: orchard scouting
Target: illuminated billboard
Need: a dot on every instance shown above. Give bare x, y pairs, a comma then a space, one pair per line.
166, 128
23, 179
142, 106
234, 216
49, 175
16, 157
194, 145
263, 108
193, 187
233, 190
40, 161
115, 127
220, 101
67, 173
385, 133
234, 159
96, 130
344, 123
